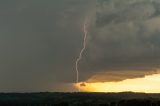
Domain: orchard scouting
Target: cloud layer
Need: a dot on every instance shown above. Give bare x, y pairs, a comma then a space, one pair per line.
124, 37
40, 40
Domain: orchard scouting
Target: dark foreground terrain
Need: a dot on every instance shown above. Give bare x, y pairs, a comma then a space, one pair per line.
79, 99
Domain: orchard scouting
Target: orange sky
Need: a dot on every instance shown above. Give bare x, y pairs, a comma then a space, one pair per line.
147, 84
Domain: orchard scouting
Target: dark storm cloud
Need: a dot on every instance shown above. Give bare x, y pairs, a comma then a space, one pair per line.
39, 41
83, 84
124, 37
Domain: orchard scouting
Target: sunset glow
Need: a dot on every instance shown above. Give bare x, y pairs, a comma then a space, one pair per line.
148, 84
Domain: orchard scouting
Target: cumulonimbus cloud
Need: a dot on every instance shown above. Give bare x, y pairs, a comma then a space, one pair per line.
124, 37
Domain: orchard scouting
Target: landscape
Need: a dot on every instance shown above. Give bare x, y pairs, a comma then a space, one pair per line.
79, 99
79, 52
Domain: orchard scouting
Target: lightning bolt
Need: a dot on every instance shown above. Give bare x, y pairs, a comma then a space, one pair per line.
81, 52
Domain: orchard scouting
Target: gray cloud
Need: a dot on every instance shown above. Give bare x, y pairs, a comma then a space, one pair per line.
40, 40
124, 37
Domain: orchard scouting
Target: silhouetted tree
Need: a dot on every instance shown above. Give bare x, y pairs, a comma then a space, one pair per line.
113, 104
154, 104
134, 102
122, 103
104, 104
63, 104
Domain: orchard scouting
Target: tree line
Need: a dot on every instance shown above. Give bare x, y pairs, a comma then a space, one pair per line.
78, 99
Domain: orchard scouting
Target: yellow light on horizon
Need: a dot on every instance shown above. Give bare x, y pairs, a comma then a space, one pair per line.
148, 84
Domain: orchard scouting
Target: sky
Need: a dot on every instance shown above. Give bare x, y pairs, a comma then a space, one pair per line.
41, 39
